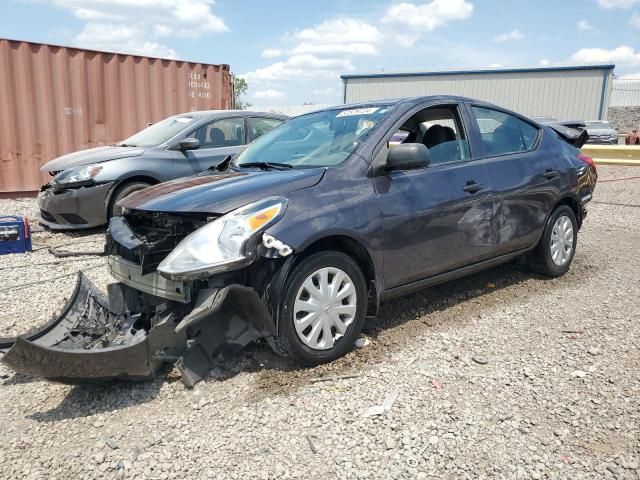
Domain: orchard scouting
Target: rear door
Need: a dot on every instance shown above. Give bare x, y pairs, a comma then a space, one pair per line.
218, 139
438, 218
525, 174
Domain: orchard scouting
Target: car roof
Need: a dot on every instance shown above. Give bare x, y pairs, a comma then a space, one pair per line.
410, 101
202, 114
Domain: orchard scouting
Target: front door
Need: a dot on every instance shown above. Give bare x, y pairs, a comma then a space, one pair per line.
438, 218
218, 139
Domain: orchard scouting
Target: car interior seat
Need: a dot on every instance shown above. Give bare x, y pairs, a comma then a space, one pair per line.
442, 144
216, 137
505, 139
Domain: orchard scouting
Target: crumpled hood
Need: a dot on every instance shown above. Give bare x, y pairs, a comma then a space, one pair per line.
222, 192
90, 156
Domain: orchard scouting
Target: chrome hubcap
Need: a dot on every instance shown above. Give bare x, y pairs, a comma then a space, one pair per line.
325, 307
562, 240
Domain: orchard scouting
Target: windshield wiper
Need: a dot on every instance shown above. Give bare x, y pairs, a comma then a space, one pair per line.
124, 145
266, 165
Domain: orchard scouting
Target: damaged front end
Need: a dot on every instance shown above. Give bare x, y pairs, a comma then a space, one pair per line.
148, 320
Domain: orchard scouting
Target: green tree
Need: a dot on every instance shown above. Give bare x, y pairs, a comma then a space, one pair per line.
239, 89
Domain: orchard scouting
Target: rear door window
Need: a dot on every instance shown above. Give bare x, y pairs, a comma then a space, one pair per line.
258, 126
502, 133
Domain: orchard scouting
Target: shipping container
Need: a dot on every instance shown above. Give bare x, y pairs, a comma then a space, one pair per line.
55, 100
564, 92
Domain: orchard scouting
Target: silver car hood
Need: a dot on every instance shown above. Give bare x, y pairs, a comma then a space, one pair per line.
90, 156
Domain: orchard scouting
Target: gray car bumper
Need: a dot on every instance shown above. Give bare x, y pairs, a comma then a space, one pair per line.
74, 208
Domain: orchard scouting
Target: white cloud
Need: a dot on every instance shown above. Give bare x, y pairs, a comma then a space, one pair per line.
584, 25
344, 36
333, 48
496, 65
622, 55
324, 50
133, 26
299, 67
271, 53
339, 30
509, 36
428, 16
544, 62
635, 21
630, 76
618, 3
120, 38
270, 93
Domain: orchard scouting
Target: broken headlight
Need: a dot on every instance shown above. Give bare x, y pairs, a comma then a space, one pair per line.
222, 244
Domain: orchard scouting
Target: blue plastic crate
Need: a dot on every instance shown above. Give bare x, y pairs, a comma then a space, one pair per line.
15, 235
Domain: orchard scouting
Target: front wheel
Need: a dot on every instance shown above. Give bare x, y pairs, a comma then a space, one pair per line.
323, 309
554, 254
123, 191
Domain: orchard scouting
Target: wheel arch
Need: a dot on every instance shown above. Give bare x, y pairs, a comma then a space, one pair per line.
354, 249
573, 203
117, 185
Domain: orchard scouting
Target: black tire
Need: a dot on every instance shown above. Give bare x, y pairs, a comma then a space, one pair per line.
121, 192
541, 260
288, 344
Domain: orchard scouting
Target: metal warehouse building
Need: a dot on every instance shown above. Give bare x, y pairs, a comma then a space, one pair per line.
565, 93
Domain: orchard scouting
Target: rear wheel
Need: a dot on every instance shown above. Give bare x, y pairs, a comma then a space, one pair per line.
121, 192
554, 254
323, 309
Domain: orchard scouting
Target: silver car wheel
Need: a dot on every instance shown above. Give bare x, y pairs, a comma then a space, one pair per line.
325, 307
562, 240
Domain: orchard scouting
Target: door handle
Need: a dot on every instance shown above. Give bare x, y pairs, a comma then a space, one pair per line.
550, 173
472, 187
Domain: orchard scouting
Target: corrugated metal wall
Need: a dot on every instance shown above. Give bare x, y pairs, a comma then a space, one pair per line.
626, 93
55, 100
570, 94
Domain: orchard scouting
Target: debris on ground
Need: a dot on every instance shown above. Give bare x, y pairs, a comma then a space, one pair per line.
385, 407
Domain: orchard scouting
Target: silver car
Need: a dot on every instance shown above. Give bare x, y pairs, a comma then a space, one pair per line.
87, 185
601, 133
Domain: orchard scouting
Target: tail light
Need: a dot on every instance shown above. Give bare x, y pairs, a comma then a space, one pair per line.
27, 230
589, 161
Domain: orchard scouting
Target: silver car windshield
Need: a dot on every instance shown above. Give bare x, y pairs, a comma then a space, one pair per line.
320, 139
158, 133
599, 125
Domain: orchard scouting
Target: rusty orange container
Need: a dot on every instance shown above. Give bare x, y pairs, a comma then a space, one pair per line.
55, 100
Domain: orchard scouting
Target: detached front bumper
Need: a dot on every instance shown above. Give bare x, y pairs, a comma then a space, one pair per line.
74, 208
97, 339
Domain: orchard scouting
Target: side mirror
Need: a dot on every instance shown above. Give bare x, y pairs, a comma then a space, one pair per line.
408, 156
189, 144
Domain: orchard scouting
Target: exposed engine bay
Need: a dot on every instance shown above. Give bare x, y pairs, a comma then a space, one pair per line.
146, 320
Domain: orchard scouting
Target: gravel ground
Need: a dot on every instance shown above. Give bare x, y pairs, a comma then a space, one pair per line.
501, 375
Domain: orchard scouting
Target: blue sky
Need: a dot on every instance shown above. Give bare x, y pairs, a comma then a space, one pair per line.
293, 52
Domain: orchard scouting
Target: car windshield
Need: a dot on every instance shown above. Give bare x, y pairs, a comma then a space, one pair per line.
158, 133
320, 139
602, 125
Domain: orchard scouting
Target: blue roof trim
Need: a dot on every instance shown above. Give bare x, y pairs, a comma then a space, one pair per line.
482, 72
